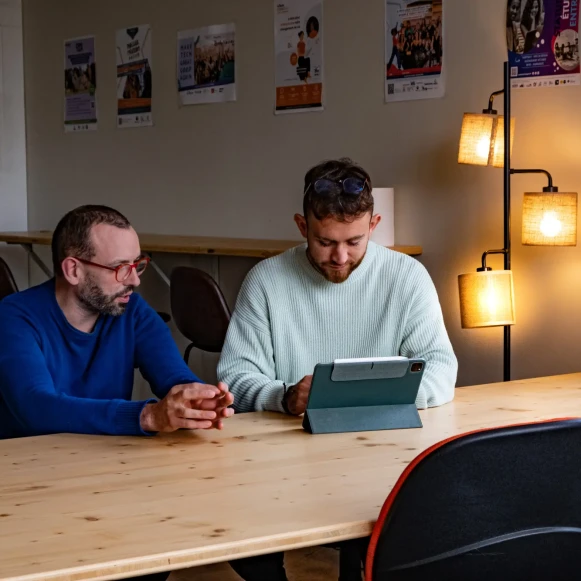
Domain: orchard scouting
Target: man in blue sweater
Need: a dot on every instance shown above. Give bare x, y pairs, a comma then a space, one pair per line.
69, 347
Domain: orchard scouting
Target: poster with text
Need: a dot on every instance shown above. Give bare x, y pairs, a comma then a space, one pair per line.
134, 77
542, 38
298, 40
80, 112
207, 65
414, 50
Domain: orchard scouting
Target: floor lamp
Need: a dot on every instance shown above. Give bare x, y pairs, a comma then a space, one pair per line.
549, 219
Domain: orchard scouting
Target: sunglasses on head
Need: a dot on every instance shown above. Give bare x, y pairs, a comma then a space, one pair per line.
351, 186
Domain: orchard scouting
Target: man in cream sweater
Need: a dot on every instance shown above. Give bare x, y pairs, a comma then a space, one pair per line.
339, 296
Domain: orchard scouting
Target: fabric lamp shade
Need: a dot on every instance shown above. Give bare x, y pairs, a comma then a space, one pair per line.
482, 139
497, 146
486, 299
549, 219
476, 138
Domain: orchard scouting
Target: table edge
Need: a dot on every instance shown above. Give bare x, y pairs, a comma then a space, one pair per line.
197, 557
44, 239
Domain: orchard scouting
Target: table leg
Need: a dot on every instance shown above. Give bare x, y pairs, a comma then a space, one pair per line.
159, 271
37, 260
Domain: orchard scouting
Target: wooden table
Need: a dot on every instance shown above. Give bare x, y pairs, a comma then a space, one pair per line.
91, 507
190, 244
168, 243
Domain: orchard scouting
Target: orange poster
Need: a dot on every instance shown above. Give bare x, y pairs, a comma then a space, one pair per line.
298, 32
134, 77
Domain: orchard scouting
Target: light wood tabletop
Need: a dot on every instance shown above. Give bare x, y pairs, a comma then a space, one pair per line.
96, 507
193, 244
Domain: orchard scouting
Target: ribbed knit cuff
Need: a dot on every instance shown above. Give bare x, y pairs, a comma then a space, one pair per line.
127, 418
270, 397
422, 399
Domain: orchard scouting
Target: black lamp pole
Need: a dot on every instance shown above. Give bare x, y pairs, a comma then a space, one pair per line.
507, 172
506, 249
507, 239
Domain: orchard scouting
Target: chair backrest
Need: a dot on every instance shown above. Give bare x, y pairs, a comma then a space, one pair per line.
199, 308
7, 282
496, 504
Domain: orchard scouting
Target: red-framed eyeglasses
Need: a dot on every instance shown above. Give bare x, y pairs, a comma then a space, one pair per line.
123, 271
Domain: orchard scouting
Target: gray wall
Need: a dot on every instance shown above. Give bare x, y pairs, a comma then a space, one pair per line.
236, 169
12, 135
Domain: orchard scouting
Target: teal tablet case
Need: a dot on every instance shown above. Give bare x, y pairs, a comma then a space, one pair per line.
364, 396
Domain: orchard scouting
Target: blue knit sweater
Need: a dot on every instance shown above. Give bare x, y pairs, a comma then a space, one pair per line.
55, 378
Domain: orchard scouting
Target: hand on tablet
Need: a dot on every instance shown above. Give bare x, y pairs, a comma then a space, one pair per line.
297, 396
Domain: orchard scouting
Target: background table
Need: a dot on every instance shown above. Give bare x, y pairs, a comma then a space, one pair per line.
166, 243
193, 244
91, 507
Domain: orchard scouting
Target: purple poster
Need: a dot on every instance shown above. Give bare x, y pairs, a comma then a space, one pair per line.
543, 42
80, 85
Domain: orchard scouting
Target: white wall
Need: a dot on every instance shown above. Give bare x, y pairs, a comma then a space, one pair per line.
236, 169
12, 135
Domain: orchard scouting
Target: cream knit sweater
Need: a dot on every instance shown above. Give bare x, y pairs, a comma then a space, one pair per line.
288, 318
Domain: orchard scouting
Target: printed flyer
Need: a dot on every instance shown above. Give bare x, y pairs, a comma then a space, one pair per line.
207, 65
542, 38
413, 50
298, 34
134, 77
80, 85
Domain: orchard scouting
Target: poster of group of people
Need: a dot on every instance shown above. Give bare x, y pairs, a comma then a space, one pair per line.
134, 77
80, 85
413, 50
207, 64
542, 37
298, 34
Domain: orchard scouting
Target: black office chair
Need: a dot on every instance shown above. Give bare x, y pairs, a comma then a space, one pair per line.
165, 317
501, 504
199, 309
7, 282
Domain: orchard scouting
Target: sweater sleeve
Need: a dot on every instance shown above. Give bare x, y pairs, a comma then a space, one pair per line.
247, 361
425, 337
156, 354
27, 388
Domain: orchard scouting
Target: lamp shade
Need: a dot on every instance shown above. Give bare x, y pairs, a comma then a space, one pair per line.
497, 146
486, 299
482, 139
476, 138
549, 219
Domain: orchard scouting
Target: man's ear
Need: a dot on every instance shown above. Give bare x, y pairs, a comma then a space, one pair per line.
71, 271
374, 222
301, 222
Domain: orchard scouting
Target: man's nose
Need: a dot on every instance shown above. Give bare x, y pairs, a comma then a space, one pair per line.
339, 255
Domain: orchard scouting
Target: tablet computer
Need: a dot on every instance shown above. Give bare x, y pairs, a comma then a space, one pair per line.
352, 395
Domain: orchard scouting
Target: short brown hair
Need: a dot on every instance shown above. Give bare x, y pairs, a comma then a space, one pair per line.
342, 207
72, 236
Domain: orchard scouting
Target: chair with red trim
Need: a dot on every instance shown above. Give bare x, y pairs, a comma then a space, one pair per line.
496, 504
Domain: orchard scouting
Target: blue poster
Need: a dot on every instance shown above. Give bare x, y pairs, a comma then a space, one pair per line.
80, 85
543, 42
